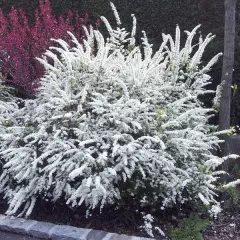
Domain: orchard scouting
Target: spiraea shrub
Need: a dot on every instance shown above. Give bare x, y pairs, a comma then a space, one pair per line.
8, 105
111, 120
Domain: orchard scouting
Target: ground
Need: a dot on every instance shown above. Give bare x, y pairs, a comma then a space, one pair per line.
225, 227
13, 236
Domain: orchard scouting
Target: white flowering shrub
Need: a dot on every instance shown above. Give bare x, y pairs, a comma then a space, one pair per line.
113, 119
148, 226
8, 105
6, 98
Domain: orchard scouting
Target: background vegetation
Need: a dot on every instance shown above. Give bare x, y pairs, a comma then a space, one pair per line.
156, 17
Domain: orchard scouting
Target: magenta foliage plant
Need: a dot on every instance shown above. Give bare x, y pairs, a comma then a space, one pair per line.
21, 43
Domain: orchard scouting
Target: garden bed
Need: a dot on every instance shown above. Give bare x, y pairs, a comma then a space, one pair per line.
119, 130
127, 221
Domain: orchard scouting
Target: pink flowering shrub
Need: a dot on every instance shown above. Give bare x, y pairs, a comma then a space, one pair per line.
21, 43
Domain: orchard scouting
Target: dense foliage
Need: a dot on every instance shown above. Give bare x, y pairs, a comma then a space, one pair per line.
190, 228
22, 42
159, 16
113, 119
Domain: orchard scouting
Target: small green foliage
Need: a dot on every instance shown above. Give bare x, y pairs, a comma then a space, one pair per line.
200, 208
160, 117
204, 169
235, 88
2, 76
189, 229
7, 123
232, 131
131, 47
6, 92
216, 108
234, 195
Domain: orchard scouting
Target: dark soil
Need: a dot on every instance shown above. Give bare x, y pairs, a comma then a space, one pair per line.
127, 221
124, 221
226, 227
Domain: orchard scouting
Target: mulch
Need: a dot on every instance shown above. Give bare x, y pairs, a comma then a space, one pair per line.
127, 221
225, 227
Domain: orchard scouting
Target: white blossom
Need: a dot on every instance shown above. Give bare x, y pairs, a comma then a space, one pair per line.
110, 113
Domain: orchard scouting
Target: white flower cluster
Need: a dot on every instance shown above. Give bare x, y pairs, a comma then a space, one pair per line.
217, 98
113, 119
215, 210
148, 227
7, 106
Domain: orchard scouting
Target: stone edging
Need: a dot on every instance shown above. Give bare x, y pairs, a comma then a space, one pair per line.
47, 230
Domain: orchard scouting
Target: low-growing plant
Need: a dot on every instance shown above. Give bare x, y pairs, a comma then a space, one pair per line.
234, 195
6, 97
115, 120
191, 228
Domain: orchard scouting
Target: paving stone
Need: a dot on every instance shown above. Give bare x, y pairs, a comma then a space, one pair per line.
2, 217
108, 236
45, 230
69, 233
41, 229
15, 236
17, 225
119, 237
125, 237
96, 235
140, 238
